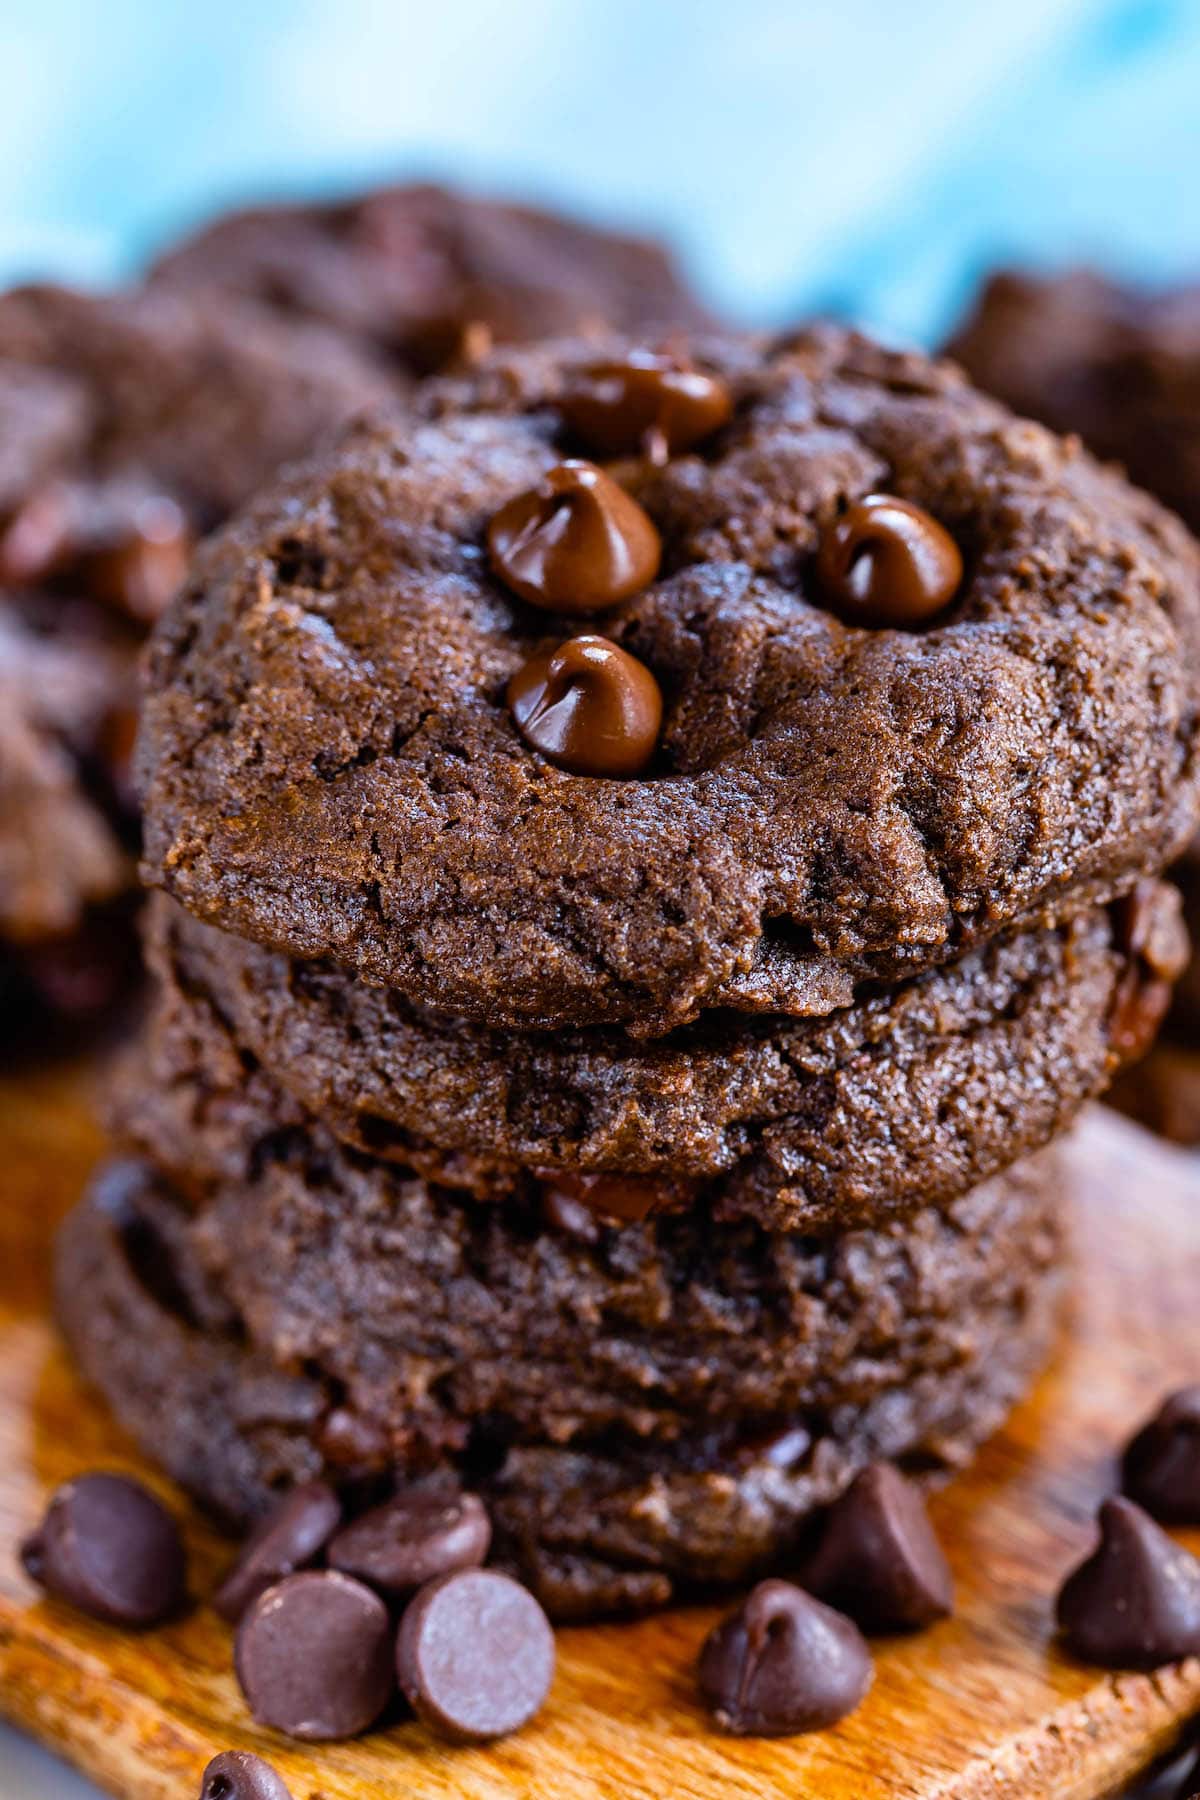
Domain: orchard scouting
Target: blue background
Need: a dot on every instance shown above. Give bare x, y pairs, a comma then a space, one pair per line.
870, 154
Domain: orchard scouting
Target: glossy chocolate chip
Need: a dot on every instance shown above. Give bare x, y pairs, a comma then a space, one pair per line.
577, 543
614, 1199
399, 1546
1161, 1465
142, 571
886, 562
1139, 1007
646, 403
1135, 1602
237, 1775
588, 706
475, 1655
291, 1536
1150, 927
878, 1558
1189, 1787
313, 1656
109, 1548
783, 1664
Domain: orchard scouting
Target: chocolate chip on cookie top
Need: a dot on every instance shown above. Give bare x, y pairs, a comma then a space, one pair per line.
887, 562
575, 543
645, 402
589, 706
331, 764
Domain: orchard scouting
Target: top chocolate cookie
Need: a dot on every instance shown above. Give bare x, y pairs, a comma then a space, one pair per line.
1119, 365
867, 672
413, 270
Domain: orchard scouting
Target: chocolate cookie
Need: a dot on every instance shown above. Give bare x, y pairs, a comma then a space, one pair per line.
338, 764
656, 1409
1118, 365
416, 271
128, 423
902, 1100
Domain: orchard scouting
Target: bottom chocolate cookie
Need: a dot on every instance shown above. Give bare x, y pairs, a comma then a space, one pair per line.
648, 1412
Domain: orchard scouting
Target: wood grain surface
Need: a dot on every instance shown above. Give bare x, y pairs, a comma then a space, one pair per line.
983, 1705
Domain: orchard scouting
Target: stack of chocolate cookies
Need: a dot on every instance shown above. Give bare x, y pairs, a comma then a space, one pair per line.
654, 846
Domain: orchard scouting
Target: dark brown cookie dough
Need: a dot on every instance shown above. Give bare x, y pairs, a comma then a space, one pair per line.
412, 271
657, 1409
1118, 365
332, 769
903, 1100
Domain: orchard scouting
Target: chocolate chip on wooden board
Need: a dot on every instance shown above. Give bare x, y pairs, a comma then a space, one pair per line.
783, 1664
878, 1559
239, 1775
109, 1548
475, 1655
291, 1536
1161, 1465
313, 1656
1135, 1601
409, 1540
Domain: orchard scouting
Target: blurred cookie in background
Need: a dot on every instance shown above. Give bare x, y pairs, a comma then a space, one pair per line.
130, 424
423, 272
1120, 366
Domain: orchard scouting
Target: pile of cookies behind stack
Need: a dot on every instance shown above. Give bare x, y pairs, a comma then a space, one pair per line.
654, 845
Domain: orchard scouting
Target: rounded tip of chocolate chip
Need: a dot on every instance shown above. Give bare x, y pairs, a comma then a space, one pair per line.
409, 1540
1135, 1601
782, 1664
878, 1558
1161, 1465
109, 1548
292, 1535
238, 1775
475, 1655
313, 1656
644, 403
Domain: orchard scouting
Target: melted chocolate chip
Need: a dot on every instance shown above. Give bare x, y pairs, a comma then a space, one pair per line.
108, 1547
577, 543
237, 1775
291, 1536
644, 403
141, 572
886, 562
1161, 1466
475, 1655
1150, 927
1135, 1602
313, 1656
399, 1546
1138, 1009
783, 1664
588, 706
614, 1199
878, 1558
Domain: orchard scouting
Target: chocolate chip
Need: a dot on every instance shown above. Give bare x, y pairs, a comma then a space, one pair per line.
1150, 927
878, 1558
1161, 1465
292, 1535
141, 571
644, 402
313, 1656
475, 1655
782, 1664
576, 543
237, 1775
399, 1546
108, 1547
1189, 1788
1135, 1602
588, 706
351, 1442
615, 1199
886, 562
1138, 1009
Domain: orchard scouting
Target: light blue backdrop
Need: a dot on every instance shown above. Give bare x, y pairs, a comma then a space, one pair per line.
869, 153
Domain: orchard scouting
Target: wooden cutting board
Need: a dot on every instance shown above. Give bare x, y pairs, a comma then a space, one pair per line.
984, 1705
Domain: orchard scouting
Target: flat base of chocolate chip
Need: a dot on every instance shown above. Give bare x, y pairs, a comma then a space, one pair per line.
977, 1690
